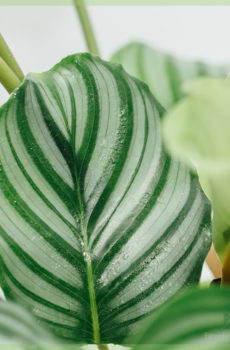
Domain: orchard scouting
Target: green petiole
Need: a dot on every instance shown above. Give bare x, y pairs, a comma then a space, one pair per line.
86, 27
11, 74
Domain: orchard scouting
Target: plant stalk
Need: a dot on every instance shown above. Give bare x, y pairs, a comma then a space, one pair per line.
9, 59
8, 78
214, 263
86, 27
226, 271
102, 347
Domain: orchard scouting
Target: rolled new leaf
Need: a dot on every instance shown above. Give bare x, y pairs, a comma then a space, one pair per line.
197, 130
192, 318
99, 226
164, 73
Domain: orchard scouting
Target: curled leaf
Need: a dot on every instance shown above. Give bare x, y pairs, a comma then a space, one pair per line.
197, 131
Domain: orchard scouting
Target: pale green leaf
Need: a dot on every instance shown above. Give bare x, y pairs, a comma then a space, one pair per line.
197, 130
164, 73
196, 319
98, 225
17, 326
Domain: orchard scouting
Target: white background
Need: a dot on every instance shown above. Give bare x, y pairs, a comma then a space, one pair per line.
41, 36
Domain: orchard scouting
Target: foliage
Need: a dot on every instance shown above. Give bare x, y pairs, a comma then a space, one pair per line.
164, 74
197, 131
194, 317
93, 209
100, 229
18, 326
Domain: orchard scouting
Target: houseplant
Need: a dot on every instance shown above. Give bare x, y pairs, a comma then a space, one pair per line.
99, 225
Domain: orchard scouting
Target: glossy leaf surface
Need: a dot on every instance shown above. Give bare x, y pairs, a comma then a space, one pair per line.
98, 225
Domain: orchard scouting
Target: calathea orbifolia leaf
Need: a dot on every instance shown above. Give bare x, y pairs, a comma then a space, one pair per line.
197, 130
164, 73
193, 317
98, 225
17, 326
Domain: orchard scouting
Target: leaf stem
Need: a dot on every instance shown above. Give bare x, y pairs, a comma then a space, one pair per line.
9, 59
87, 258
8, 78
226, 271
102, 347
214, 263
86, 27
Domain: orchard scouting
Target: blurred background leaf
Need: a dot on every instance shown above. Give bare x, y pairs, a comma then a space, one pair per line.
197, 130
193, 317
17, 325
164, 74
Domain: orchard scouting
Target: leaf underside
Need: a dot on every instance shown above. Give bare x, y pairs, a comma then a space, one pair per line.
165, 74
98, 225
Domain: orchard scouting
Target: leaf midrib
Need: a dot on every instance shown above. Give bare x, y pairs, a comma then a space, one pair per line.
80, 216
87, 255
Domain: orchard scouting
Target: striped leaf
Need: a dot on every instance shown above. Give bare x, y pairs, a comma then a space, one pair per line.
19, 330
98, 225
17, 326
164, 73
195, 317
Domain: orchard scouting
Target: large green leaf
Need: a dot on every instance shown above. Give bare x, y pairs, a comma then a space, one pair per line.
164, 74
197, 130
98, 225
195, 317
